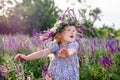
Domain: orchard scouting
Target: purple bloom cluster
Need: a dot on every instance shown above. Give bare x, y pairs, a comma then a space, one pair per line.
45, 71
1, 70
106, 61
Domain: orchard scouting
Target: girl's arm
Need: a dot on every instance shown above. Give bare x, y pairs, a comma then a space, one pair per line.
34, 56
38, 54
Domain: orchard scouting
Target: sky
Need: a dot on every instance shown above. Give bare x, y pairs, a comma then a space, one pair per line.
110, 10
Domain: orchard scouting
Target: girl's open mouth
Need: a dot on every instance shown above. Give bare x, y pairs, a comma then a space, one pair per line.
71, 36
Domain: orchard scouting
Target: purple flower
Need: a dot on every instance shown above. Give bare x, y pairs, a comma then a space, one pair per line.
89, 29
17, 69
81, 31
118, 56
34, 31
111, 49
2, 47
63, 15
118, 49
51, 34
72, 11
70, 22
81, 27
117, 42
21, 61
62, 18
8, 68
45, 71
93, 50
106, 61
95, 43
1, 68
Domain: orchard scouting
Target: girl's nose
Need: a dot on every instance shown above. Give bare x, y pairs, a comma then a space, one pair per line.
72, 32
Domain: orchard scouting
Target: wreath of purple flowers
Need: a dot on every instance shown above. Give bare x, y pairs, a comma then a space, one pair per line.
68, 18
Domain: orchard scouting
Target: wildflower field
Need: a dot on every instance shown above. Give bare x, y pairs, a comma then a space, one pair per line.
99, 59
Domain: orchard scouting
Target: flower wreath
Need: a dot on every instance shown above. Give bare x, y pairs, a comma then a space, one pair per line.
67, 18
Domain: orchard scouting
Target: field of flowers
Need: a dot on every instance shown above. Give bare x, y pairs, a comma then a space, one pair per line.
99, 59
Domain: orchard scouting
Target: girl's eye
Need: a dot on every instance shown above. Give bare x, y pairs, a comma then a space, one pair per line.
71, 30
68, 30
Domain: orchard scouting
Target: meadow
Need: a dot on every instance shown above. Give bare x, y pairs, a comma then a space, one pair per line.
99, 58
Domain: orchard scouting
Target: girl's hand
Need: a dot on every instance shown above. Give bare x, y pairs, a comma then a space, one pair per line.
63, 53
20, 57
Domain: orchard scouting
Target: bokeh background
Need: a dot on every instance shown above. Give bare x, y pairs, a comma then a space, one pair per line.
22, 21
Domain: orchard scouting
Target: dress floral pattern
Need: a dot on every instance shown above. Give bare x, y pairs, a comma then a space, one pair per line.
64, 68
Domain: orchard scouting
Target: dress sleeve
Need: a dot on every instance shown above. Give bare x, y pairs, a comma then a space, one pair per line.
53, 47
73, 45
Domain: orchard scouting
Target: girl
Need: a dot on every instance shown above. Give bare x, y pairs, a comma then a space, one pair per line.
65, 65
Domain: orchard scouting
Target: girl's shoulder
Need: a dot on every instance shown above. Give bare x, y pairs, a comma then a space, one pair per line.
53, 47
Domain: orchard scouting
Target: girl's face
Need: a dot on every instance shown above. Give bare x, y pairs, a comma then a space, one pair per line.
69, 34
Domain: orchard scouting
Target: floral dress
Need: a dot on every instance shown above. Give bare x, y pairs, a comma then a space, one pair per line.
64, 68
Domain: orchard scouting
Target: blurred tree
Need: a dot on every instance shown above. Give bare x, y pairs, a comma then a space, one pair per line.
39, 14
89, 17
29, 14
105, 31
117, 34
8, 20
